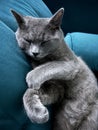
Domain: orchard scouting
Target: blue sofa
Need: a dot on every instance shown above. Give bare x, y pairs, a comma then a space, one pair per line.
14, 65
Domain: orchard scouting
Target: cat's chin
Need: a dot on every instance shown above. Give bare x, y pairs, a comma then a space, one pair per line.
37, 58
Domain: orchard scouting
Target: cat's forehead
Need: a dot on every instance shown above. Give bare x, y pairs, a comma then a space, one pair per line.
37, 28
38, 35
36, 22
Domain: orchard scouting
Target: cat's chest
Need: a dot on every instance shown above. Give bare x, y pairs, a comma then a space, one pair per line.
37, 63
34, 64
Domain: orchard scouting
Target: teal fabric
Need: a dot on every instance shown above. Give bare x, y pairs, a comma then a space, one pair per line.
14, 66
86, 46
34, 8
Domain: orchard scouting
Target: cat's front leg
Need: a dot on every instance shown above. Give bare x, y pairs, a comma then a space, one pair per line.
35, 110
34, 100
32, 80
56, 70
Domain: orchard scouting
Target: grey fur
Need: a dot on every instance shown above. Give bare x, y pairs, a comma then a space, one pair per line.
59, 76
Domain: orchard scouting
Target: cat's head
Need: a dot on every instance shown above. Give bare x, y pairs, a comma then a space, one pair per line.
39, 37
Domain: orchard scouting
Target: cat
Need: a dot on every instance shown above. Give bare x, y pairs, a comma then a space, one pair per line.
58, 76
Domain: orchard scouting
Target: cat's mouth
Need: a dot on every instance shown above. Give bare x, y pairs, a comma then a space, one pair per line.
36, 58
39, 58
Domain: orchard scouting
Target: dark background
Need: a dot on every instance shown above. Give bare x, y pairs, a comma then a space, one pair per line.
80, 15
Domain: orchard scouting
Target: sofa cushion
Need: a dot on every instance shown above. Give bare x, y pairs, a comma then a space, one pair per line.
86, 46
35, 8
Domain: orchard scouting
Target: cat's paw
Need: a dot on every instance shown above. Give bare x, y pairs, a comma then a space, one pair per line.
32, 80
35, 110
40, 115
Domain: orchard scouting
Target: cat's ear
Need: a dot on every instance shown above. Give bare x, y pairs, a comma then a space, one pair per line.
19, 18
56, 19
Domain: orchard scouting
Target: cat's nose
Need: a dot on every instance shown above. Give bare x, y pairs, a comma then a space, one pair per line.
35, 54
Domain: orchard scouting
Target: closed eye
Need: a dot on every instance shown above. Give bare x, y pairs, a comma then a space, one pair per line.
44, 42
27, 40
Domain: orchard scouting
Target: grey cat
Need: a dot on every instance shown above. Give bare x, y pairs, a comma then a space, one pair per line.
58, 76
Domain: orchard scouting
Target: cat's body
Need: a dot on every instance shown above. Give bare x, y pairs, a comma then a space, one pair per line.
58, 76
